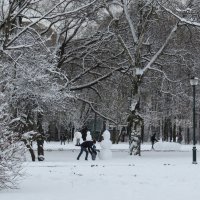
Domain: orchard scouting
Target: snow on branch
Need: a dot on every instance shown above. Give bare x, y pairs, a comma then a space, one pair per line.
60, 74
159, 52
160, 71
92, 107
133, 31
83, 73
71, 12
33, 23
126, 49
23, 6
181, 18
45, 16
87, 85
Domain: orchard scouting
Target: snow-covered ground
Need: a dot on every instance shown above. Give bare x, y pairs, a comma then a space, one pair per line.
159, 146
167, 173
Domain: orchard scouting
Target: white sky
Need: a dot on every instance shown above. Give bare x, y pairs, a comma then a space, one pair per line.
153, 176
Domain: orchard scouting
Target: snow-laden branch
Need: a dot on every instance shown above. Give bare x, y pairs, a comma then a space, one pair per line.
160, 71
133, 31
33, 23
83, 73
22, 7
45, 17
131, 60
71, 12
59, 74
20, 46
181, 18
87, 85
92, 107
159, 52
164, 74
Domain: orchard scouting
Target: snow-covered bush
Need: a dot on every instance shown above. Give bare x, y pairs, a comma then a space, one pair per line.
167, 146
11, 158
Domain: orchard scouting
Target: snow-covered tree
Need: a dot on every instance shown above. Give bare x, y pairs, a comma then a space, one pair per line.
154, 36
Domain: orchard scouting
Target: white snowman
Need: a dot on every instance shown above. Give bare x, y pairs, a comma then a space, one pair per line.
88, 137
106, 144
77, 138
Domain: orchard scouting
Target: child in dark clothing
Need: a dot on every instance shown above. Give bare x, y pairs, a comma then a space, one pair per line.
94, 153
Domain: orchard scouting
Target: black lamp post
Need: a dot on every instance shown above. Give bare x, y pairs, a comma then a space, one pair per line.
194, 82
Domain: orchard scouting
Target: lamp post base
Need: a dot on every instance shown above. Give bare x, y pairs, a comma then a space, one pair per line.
194, 152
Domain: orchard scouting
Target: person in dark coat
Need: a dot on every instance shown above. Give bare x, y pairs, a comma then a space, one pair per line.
153, 140
180, 138
62, 139
86, 146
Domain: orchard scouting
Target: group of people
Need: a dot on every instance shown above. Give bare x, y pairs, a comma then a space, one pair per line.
88, 147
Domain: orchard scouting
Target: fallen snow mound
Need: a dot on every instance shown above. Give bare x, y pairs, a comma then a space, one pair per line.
167, 146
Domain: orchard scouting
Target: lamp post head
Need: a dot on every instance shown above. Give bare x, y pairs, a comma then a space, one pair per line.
194, 81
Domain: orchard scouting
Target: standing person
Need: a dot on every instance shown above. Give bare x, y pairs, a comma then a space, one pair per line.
86, 146
153, 140
94, 152
180, 138
62, 139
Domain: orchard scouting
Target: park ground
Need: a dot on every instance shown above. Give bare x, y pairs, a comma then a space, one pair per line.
164, 173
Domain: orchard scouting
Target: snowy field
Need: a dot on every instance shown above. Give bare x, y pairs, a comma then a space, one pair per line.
164, 174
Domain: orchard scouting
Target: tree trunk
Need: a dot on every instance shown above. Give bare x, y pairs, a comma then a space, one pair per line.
165, 130
29, 147
188, 135
40, 149
174, 132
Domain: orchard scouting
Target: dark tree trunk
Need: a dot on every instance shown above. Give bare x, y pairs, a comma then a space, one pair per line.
170, 128
188, 135
174, 133
40, 149
39, 123
31, 152
114, 133
165, 130
142, 134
